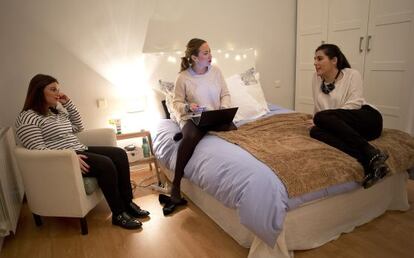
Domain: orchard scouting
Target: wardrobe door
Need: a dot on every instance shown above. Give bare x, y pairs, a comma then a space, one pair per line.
388, 79
347, 28
312, 26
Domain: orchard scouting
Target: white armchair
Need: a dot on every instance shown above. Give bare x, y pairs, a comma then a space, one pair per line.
53, 180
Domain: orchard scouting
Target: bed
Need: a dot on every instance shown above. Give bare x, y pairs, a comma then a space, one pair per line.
245, 198
243, 195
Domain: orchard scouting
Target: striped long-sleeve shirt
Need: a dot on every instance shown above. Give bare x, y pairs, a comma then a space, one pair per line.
53, 131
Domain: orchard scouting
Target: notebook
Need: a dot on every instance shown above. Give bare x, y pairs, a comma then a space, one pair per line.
213, 118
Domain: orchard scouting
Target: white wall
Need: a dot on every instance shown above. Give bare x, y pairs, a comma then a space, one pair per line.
268, 26
95, 48
78, 42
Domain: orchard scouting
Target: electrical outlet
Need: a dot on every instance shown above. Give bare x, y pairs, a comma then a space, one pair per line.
277, 83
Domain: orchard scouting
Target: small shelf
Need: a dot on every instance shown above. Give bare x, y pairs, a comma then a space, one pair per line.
147, 160
141, 134
143, 161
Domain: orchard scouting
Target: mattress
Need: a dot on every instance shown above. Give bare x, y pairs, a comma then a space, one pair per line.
250, 187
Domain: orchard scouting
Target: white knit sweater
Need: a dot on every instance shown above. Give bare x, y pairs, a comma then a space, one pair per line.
207, 90
348, 92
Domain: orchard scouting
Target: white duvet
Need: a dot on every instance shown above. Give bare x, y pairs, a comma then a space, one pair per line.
237, 179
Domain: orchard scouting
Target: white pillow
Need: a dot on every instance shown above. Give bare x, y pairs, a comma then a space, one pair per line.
252, 85
249, 108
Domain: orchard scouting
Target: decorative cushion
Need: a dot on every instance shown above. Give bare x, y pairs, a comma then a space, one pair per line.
90, 184
167, 88
249, 77
252, 85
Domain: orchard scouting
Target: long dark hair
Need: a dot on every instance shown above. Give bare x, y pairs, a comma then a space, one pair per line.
193, 48
35, 99
332, 51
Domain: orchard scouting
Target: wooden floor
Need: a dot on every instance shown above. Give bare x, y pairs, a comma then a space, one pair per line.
189, 233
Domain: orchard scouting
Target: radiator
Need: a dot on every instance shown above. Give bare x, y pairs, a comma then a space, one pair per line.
11, 185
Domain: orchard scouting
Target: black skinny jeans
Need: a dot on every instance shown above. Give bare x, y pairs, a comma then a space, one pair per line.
349, 130
192, 135
111, 168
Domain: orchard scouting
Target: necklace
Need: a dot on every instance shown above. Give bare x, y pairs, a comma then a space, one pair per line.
327, 88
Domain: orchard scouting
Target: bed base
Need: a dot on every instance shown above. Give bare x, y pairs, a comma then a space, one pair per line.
312, 224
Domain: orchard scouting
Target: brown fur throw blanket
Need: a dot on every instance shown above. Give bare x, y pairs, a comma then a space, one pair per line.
304, 164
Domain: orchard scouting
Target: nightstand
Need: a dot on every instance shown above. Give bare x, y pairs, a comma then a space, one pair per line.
149, 160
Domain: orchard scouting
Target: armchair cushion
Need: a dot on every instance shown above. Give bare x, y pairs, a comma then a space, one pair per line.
96, 137
90, 184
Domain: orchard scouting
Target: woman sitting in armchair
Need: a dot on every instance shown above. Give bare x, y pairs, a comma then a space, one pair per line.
49, 120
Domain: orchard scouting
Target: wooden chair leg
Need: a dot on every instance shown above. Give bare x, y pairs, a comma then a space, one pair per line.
37, 219
84, 226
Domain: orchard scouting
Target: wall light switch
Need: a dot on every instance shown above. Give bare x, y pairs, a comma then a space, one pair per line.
277, 84
102, 103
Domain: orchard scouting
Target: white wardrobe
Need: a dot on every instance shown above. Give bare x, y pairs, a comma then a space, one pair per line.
377, 37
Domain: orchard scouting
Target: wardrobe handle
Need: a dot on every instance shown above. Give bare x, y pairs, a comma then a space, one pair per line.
368, 43
323, 42
360, 44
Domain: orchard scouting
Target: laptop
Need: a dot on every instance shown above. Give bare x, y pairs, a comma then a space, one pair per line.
213, 118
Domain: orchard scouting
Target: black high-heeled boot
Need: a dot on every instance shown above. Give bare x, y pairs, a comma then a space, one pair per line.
377, 168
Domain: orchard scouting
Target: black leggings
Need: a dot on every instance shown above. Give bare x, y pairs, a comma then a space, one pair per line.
192, 135
349, 130
111, 168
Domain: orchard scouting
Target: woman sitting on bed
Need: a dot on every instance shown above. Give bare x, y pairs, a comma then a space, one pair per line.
343, 119
199, 85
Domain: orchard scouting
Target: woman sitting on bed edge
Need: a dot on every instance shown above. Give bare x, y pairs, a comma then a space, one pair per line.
343, 119
199, 85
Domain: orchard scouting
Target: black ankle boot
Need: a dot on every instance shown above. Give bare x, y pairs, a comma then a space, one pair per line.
369, 180
377, 169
